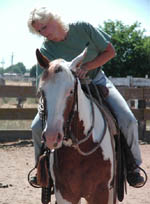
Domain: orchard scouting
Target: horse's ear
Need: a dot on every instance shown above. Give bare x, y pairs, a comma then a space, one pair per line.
42, 60
76, 62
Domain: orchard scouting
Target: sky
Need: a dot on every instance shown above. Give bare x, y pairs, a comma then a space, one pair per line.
17, 44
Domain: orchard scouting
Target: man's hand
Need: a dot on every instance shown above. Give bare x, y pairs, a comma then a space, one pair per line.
81, 72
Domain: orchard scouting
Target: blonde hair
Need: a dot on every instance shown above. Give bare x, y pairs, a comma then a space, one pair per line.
43, 15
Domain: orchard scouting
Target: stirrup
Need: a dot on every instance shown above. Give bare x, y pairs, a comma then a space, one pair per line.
136, 180
33, 180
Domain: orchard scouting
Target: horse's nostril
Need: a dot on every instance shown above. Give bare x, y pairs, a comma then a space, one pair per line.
59, 137
55, 145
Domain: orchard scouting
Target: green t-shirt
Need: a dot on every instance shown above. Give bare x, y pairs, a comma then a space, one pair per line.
80, 33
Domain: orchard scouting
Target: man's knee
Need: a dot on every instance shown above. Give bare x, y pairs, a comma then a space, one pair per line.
128, 124
132, 123
36, 126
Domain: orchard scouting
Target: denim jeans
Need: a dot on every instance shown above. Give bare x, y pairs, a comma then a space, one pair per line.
125, 118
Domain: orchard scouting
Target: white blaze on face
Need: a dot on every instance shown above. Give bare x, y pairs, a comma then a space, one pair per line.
56, 89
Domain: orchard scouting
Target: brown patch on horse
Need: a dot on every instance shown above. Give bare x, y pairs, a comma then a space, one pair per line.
68, 108
54, 68
81, 176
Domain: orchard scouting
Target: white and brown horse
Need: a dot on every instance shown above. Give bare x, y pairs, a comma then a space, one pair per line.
82, 163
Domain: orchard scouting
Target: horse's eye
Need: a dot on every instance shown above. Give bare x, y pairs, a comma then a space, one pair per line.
58, 69
71, 91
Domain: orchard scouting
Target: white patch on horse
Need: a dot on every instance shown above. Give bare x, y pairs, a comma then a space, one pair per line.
111, 196
107, 148
60, 199
51, 166
85, 114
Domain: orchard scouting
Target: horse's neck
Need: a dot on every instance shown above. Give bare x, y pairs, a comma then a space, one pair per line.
86, 115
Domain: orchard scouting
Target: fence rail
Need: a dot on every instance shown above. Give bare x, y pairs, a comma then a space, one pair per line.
17, 113
13, 135
140, 93
18, 91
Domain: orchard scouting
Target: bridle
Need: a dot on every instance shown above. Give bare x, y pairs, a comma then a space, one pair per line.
68, 135
42, 111
67, 126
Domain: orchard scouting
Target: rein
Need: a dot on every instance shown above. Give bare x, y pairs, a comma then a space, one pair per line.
42, 109
67, 126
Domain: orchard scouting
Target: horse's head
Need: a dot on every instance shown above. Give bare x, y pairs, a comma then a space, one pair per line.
58, 86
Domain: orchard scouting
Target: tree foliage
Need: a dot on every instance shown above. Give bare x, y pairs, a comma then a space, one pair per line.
132, 49
33, 71
18, 68
1, 70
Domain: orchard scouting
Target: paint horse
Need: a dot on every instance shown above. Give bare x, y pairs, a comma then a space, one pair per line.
82, 161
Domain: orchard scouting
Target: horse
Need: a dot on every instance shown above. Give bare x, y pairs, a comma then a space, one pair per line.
82, 159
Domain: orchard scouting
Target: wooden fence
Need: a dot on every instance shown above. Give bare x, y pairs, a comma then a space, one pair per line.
136, 91
16, 113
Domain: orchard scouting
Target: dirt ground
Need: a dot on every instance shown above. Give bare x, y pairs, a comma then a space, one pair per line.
16, 159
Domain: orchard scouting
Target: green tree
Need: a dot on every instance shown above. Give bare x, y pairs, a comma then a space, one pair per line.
132, 49
1, 70
33, 71
18, 68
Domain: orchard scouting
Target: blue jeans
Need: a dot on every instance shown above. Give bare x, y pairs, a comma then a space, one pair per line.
126, 120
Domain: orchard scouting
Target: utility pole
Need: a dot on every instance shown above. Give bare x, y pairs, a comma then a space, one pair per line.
12, 59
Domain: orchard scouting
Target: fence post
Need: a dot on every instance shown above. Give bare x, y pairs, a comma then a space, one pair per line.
142, 123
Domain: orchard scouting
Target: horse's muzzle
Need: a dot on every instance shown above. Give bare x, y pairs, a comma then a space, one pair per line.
53, 141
